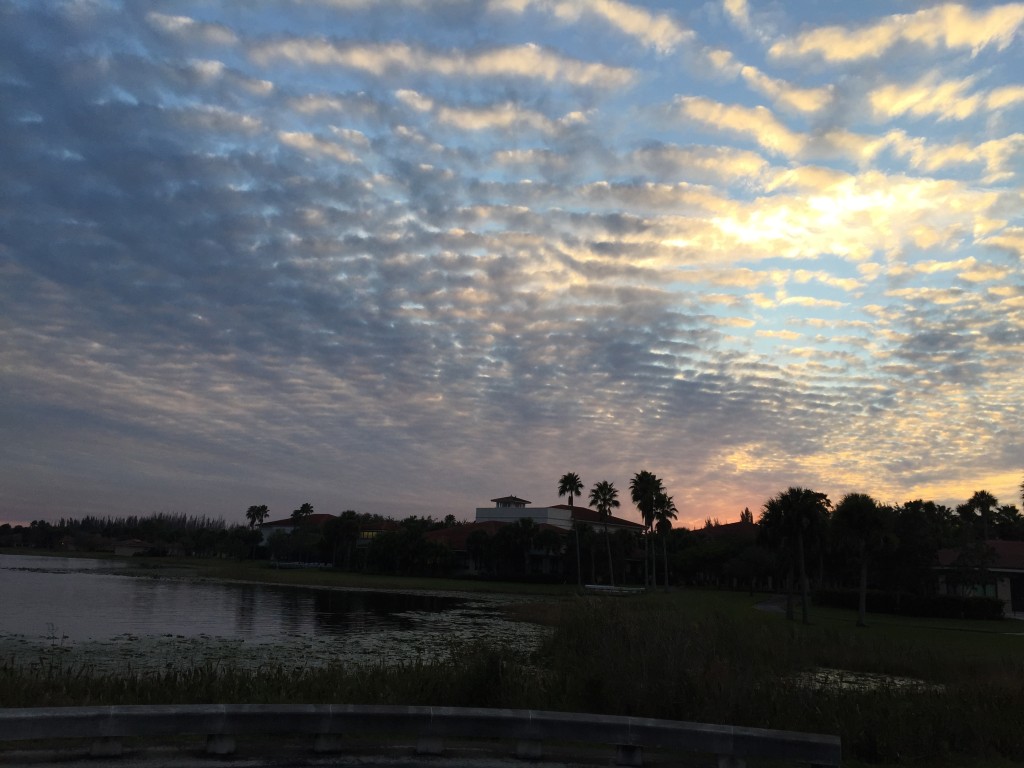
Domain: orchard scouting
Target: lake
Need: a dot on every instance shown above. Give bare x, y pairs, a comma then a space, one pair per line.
87, 611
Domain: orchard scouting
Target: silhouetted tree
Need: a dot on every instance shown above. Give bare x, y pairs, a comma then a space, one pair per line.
570, 485
980, 506
664, 513
791, 517
256, 515
604, 496
302, 512
860, 522
644, 488
342, 533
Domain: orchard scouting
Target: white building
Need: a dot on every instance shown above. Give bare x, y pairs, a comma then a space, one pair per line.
509, 509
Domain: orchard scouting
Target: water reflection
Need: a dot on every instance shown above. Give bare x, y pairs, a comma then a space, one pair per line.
88, 600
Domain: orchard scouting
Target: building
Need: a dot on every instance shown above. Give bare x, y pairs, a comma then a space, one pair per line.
1000, 575
289, 524
509, 509
554, 524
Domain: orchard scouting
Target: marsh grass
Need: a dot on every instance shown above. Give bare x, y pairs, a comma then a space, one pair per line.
686, 659
696, 656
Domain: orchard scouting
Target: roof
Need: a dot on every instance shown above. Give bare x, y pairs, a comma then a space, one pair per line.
587, 515
510, 500
1009, 555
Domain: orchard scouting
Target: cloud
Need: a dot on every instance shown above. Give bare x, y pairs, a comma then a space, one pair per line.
271, 278
504, 116
785, 95
948, 100
310, 144
996, 155
949, 26
528, 61
755, 123
658, 31
739, 12
187, 28
701, 164
1005, 96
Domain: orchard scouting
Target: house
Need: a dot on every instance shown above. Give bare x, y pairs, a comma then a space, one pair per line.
289, 524
998, 572
509, 509
543, 559
131, 547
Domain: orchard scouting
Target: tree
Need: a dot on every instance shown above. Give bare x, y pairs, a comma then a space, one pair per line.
981, 505
664, 513
480, 547
256, 515
342, 532
1009, 524
795, 515
605, 497
524, 532
644, 489
300, 514
862, 523
570, 485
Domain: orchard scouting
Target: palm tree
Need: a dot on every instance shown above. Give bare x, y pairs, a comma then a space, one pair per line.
644, 489
605, 497
570, 485
981, 504
256, 514
794, 515
664, 513
861, 521
300, 514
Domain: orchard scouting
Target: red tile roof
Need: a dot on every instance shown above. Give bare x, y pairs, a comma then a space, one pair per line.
1009, 555
591, 516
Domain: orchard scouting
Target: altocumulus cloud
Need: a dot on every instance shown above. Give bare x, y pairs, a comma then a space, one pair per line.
405, 256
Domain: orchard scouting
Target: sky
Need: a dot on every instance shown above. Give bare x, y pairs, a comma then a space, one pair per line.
407, 256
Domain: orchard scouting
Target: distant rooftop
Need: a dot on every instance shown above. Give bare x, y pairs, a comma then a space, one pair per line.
510, 501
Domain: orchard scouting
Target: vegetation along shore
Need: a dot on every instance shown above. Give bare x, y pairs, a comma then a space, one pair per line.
914, 691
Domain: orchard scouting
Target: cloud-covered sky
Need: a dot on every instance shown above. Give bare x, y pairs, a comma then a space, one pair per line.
404, 256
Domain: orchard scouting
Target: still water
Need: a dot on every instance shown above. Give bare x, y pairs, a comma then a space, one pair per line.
86, 611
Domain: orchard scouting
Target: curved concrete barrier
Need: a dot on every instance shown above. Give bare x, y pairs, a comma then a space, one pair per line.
429, 726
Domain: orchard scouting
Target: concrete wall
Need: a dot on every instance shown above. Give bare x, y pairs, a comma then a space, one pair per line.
428, 726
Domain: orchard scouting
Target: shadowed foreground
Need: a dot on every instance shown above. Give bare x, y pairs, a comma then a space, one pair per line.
428, 730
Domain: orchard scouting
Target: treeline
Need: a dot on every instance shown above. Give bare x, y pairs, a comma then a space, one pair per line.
799, 543
163, 532
804, 545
